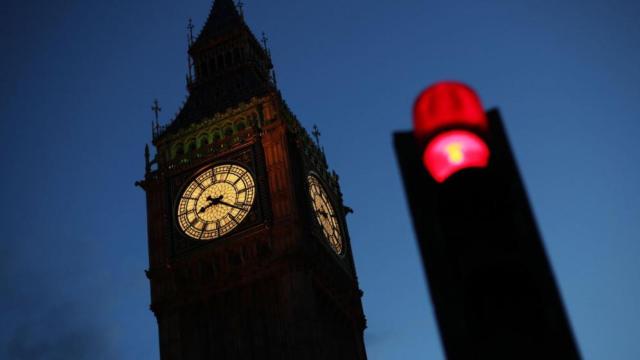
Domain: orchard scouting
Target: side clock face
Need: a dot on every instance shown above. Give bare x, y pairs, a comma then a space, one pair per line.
325, 214
216, 202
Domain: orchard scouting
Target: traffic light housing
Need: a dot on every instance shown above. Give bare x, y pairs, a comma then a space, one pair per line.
490, 281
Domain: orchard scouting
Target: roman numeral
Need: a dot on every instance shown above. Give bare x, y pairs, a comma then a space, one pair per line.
234, 219
187, 213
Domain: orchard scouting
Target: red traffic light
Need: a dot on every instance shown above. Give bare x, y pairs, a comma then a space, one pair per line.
447, 105
452, 151
449, 118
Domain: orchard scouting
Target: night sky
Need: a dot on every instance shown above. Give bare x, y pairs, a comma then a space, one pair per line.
77, 79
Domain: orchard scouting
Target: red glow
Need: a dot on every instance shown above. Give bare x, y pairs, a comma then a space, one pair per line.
453, 151
446, 105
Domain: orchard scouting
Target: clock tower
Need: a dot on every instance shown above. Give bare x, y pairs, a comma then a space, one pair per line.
249, 252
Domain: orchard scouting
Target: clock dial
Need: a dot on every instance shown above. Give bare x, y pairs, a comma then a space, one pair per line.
216, 202
325, 214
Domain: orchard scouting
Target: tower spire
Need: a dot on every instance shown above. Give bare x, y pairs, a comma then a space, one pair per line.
223, 16
227, 64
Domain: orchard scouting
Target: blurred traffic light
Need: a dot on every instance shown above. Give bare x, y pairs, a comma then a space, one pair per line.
490, 281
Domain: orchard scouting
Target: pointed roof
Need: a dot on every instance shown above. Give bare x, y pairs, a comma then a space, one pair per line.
222, 17
228, 85
207, 101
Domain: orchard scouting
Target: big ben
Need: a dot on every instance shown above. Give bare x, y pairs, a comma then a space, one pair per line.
249, 251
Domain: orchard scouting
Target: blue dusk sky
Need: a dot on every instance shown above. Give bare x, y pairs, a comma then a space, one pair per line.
78, 78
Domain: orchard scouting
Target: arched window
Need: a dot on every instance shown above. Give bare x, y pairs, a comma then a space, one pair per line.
203, 140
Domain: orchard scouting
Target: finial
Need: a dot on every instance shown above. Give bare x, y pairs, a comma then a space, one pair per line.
316, 133
156, 110
190, 27
240, 6
265, 45
147, 163
189, 70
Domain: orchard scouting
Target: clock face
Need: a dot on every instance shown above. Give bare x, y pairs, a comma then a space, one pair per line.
325, 214
216, 202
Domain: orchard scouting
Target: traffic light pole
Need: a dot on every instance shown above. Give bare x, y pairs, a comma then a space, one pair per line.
490, 281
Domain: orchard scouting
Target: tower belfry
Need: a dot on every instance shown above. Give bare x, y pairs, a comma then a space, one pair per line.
249, 251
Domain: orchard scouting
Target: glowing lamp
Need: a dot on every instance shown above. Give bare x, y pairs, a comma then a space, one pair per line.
453, 151
448, 105
450, 122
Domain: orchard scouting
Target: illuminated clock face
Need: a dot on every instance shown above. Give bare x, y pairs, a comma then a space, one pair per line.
325, 214
216, 202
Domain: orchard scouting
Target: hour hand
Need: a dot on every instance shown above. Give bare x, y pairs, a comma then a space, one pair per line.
216, 200
212, 201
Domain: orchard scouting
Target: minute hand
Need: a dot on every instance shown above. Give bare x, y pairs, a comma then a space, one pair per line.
233, 206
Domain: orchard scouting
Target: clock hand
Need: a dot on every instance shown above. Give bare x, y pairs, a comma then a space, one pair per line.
230, 205
215, 201
204, 208
212, 201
